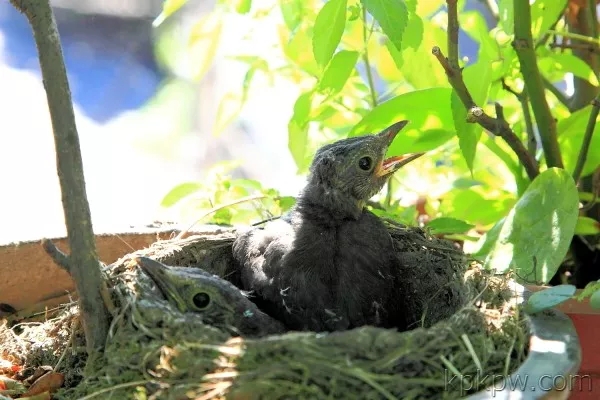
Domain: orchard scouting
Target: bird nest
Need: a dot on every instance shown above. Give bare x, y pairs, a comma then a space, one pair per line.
464, 324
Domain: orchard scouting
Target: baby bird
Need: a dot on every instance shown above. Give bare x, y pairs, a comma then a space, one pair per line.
328, 264
219, 302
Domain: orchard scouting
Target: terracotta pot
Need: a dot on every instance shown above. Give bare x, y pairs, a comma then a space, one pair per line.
30, 281
587, 324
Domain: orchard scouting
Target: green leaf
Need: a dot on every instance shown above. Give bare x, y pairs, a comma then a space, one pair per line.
571, 131
544, 14
587, 226
534, 237
506, 16
468, 133
392, 16
469, 204
203, 43
328, 30
169, 8
595, 300
227, 111
445, 225
243, 6
337, 72
179, 192
556, 65
427, 109
426, 8
478, 79
414, 33
548, 298
588, 290
296, 50
292, 12
421, 71
298, 129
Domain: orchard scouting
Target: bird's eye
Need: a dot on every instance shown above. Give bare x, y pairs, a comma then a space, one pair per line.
201, 300
365, 163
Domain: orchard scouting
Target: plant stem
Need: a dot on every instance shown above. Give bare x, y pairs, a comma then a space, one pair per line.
571, 35
560, 96
587, 138
497, 126
365, 57
83, 262
534, 84
524, 101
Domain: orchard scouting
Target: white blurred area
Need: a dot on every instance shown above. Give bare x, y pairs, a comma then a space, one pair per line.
125, 178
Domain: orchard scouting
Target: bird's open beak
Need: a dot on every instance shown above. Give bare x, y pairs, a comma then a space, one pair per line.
390, 165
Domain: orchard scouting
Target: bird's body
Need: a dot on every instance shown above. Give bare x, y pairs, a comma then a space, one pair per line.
315, 275
329, 263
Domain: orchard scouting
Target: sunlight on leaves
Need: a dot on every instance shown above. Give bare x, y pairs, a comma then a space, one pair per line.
544, 14
427, 109
179, 192
506, 15
534, 237
292, 12
203, 43
227, 112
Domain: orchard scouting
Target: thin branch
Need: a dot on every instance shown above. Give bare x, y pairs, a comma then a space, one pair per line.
524, 101
59, 258
213, 210
452, 34
560, 96
365, 56
498, 127
83, 262
592, 48
587, 139
534, 84
572, 35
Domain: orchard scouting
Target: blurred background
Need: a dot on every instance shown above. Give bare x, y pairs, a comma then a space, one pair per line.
145, 123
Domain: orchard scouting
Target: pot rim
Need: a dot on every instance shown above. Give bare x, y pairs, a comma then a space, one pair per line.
554, 354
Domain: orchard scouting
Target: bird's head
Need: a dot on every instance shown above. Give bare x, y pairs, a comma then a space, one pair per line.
356, 169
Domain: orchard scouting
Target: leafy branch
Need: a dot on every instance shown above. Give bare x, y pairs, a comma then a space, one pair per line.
498, 126
82, 263
534, 84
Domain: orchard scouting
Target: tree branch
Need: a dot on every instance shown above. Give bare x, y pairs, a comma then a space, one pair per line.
534, 84
83, 262
524, 101
497, 126
587, 139
560, 96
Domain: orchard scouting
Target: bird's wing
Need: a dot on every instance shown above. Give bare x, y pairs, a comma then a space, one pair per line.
260, 253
